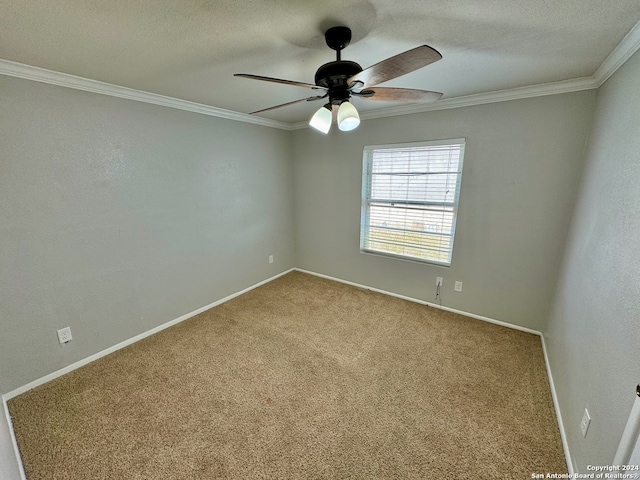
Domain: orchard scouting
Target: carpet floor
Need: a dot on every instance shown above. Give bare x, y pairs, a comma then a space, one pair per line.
301, 378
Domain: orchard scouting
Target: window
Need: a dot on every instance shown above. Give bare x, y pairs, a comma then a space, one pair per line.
410, 200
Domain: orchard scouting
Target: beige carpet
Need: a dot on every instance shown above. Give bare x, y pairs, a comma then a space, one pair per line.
301, 378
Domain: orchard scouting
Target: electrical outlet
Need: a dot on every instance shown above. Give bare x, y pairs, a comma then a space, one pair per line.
457, 286
584, 424
438, 281
64, 335
270, 258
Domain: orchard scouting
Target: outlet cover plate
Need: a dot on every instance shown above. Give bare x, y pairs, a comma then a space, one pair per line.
64, 335
438, 281
457, 286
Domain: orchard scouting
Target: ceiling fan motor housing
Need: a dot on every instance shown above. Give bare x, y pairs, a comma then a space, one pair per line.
334, 76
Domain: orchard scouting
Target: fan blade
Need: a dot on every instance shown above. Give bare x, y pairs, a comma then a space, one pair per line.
310, 99
396, 66
278, 80
334, 113
399, 95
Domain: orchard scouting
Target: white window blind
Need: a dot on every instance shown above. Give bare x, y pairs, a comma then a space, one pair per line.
410, 199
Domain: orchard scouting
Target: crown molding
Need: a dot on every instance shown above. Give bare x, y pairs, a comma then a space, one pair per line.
625, 49
552, 88
20, 70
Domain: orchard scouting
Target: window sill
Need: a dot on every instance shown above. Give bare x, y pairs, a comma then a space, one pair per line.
405, 259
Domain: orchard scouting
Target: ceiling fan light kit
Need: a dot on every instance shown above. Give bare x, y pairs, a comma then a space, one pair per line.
341, 80
321, 120
348, 118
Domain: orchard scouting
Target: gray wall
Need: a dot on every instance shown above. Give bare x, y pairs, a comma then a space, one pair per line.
118, 216
593, 336
521, 171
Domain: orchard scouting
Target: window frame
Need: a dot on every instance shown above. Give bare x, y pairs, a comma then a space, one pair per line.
367, 161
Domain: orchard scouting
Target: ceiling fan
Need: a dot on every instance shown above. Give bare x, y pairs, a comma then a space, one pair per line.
342, 79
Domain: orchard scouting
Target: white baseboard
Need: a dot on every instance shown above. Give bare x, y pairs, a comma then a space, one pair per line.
96, 356
13, 468
423, 302
556, 405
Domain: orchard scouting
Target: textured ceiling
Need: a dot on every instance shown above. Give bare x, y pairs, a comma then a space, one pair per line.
189, 49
